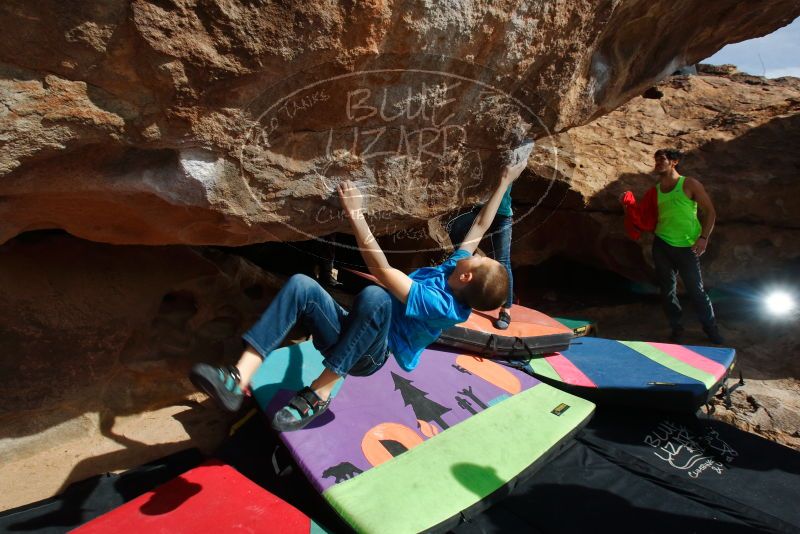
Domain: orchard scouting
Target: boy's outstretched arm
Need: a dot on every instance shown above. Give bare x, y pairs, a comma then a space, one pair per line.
484, 219
395, 281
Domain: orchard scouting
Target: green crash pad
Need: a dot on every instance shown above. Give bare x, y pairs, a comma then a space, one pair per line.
409, 451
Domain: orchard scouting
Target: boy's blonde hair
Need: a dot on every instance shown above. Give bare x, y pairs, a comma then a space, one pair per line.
488, 289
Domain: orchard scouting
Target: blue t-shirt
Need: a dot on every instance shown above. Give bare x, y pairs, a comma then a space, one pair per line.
430, 308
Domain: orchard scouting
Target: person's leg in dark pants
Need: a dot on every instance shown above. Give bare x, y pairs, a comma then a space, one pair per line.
500, 237
689, 269
666, 274
459, 225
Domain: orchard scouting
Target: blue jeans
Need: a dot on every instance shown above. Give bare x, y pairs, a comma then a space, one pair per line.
671, 261
499, 237
352, 342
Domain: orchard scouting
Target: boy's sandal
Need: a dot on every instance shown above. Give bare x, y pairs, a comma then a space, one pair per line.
301, 410
503, 320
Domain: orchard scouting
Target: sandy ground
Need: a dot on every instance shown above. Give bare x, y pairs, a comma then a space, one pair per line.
131, 441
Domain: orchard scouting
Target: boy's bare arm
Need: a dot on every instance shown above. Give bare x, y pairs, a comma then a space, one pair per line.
484, 219
395, 281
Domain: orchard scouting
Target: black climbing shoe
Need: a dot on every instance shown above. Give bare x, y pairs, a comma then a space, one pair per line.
301, 410
503, 320
219, 383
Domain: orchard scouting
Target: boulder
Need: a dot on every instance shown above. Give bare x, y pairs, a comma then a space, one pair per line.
738, 133
232, 122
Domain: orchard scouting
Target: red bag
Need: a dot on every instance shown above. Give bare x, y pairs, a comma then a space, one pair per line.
640, 216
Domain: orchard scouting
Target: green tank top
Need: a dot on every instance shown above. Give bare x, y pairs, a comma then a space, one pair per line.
677, 217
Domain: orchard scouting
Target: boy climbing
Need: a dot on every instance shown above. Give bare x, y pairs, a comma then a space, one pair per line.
402, 319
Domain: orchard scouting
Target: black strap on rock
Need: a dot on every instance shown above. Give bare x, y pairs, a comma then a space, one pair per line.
491, 342
519, 343
529, 349
525, 345
726, 391
276, 464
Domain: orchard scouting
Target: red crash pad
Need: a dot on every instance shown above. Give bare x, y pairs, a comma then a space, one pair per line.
213, 497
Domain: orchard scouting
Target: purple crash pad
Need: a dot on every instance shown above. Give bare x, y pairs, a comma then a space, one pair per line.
378, 417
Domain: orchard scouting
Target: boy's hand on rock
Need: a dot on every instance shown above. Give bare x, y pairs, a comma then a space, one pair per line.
517, 160
512, 172
351, 198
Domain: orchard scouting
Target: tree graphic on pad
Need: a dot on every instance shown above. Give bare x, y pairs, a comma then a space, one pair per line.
424, 409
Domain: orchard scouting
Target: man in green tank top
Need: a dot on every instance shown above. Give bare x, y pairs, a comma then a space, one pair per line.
680, 239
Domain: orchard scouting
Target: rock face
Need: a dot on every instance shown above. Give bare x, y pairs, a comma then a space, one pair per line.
739, 134
230, 122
